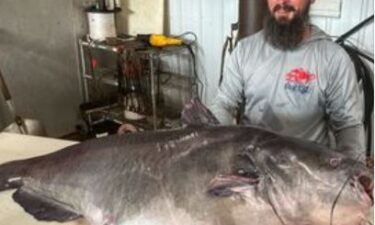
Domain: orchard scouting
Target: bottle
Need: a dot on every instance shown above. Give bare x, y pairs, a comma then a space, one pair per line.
101, 5
110, 5
118, 4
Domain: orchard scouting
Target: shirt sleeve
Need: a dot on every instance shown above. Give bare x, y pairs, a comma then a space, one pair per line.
350, 141
230, 91
344, 106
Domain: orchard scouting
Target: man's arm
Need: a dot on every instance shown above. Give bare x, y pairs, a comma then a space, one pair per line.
345, 108
350, 141
230, 90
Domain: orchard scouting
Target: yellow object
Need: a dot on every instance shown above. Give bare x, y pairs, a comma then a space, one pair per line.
158, 40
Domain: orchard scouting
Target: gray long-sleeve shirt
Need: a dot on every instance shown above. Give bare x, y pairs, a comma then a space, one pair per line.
301, 93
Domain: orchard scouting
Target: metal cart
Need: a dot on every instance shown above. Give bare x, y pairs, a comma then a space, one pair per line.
114, 77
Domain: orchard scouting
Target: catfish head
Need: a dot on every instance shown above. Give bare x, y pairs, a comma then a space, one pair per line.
309, 183
300, 182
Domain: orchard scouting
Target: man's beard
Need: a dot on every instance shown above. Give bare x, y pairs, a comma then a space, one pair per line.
286, 35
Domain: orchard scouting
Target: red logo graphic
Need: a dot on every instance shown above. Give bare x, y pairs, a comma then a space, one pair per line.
300, 76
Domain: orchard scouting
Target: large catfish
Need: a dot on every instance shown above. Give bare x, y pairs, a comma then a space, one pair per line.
200, 175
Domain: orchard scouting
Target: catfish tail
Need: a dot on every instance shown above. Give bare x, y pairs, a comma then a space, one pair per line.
12, 174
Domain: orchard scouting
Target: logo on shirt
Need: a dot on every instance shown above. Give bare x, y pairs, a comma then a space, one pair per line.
299, 80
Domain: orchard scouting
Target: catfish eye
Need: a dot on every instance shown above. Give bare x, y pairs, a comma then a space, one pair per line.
241, 172
280, 159
246, 173
335, 162
283, 160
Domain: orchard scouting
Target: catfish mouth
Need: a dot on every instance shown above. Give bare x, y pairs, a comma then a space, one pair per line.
363, 184
367, 184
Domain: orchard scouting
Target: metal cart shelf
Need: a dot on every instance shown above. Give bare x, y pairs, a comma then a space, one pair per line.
112, 76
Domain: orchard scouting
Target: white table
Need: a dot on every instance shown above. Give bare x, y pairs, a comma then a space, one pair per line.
16, 146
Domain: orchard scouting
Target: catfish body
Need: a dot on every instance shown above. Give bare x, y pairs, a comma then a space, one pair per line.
203, 175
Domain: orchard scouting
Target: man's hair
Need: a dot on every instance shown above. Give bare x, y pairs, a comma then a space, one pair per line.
286, 35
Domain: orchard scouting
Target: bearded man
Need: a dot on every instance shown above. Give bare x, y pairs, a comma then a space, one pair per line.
295, 81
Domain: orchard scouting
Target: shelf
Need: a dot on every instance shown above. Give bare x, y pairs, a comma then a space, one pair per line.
104, 75
103, 79
114, 45
108, 74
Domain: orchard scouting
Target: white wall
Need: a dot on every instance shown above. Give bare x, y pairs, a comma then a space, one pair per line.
141, 17
39, 61
211, 19
352, 13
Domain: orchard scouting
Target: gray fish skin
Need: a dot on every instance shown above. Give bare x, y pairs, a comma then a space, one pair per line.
198, 176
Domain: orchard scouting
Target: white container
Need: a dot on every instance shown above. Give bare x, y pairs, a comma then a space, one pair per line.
118, 4
101, 25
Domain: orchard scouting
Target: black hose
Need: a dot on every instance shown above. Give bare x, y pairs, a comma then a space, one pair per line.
196, 77
229, 44
364, 75
223, 55
354, 29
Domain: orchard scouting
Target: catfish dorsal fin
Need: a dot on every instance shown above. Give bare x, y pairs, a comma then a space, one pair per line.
196, 114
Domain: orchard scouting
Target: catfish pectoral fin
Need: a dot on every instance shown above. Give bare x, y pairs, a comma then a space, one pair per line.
226, 185
43, 209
